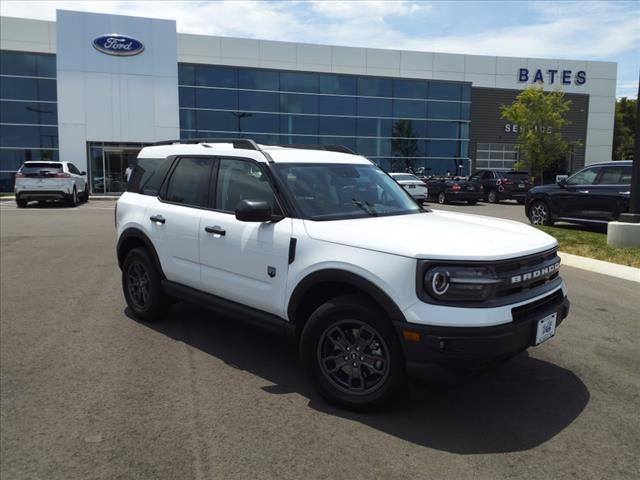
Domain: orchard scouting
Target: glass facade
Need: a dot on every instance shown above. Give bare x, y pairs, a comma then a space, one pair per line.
28, 111
398, 123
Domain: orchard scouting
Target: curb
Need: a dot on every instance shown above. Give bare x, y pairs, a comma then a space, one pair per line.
599, 266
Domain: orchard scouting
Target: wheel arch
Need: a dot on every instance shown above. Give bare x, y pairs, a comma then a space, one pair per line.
320, 286
134, 238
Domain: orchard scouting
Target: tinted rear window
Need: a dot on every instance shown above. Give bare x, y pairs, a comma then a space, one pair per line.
41, 167
517, 175
147, 175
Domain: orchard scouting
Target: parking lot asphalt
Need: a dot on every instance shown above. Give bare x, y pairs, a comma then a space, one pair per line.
86, 391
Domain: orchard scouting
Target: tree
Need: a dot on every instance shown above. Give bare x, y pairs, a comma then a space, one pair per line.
624, 129
403, 144
539, 117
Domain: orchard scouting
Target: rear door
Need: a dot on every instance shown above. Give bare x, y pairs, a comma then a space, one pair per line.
173, 219
246, 262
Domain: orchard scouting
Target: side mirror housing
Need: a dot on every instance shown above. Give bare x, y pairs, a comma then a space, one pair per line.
253, 211
83, 173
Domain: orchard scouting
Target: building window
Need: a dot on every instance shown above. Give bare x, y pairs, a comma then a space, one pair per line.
398, 123
28, 112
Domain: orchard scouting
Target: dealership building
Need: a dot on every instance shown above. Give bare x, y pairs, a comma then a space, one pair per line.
93, 89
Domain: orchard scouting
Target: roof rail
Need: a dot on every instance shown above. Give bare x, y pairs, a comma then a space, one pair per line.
242, 143
328, 148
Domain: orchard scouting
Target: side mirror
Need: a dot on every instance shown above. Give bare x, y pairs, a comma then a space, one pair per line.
253, 211
83, 173
562, 182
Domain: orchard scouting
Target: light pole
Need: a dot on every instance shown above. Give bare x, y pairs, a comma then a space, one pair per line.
634, 201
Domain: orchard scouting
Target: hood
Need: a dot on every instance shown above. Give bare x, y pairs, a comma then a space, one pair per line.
436, 235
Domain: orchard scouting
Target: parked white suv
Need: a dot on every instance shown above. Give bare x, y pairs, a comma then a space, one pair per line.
44, 181
326, 246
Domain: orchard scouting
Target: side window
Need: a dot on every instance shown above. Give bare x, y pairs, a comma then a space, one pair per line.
189, 182
615, 175
584, 177
242, 180
73, 169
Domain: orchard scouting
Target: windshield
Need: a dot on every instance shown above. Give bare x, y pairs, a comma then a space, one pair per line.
403, 177
337, 191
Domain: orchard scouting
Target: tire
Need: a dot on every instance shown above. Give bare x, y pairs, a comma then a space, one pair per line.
141, 286
85, 194
472, 202
21, 203
442, 198
492, 196
73, 199
330, 333
540, 214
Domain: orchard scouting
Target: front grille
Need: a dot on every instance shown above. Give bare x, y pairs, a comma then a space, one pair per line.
533, 309
526, 271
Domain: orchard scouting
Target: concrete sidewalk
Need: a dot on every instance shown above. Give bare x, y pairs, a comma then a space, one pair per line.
598, 266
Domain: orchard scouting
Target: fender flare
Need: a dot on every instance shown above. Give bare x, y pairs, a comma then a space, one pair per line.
390, 308
138, 234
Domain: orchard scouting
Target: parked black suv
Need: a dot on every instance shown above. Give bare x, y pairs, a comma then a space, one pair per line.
596, 194
503, 185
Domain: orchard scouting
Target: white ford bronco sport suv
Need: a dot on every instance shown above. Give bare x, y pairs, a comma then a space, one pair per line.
325, 246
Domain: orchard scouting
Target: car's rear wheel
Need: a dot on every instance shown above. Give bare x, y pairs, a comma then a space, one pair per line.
353, 354
21, 203
539, 214
73, 199
492, 196
442, 198
141, 286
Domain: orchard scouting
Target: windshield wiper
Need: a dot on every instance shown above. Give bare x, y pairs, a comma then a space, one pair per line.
366, 206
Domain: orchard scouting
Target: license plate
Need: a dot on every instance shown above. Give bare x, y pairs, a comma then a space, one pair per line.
521, 185
546, 328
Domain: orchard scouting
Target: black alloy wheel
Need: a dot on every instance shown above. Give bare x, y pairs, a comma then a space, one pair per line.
141, 285
353, 357
539, 214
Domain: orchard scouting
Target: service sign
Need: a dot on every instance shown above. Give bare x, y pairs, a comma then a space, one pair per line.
118, 45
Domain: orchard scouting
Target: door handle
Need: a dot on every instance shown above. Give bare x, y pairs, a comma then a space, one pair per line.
583, 191
157, 219
217, 230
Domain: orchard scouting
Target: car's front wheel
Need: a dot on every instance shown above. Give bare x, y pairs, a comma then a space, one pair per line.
442, 198
141, 286
353, 354
21, 203
539, 214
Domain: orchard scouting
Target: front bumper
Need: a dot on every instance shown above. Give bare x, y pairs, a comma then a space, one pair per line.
478, 345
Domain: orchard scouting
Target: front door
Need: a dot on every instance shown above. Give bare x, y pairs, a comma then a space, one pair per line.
574, 199
246, 262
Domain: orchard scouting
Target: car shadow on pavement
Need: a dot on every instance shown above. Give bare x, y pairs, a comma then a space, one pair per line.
512, 407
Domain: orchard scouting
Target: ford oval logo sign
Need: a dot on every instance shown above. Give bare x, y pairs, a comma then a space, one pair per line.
119, 45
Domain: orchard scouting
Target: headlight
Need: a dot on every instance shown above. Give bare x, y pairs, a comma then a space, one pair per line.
459, 284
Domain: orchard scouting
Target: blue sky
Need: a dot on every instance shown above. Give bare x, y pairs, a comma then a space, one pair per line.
587, 30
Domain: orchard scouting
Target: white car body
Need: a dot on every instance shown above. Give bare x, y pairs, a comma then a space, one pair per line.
412, 184
46, 180
281, 270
